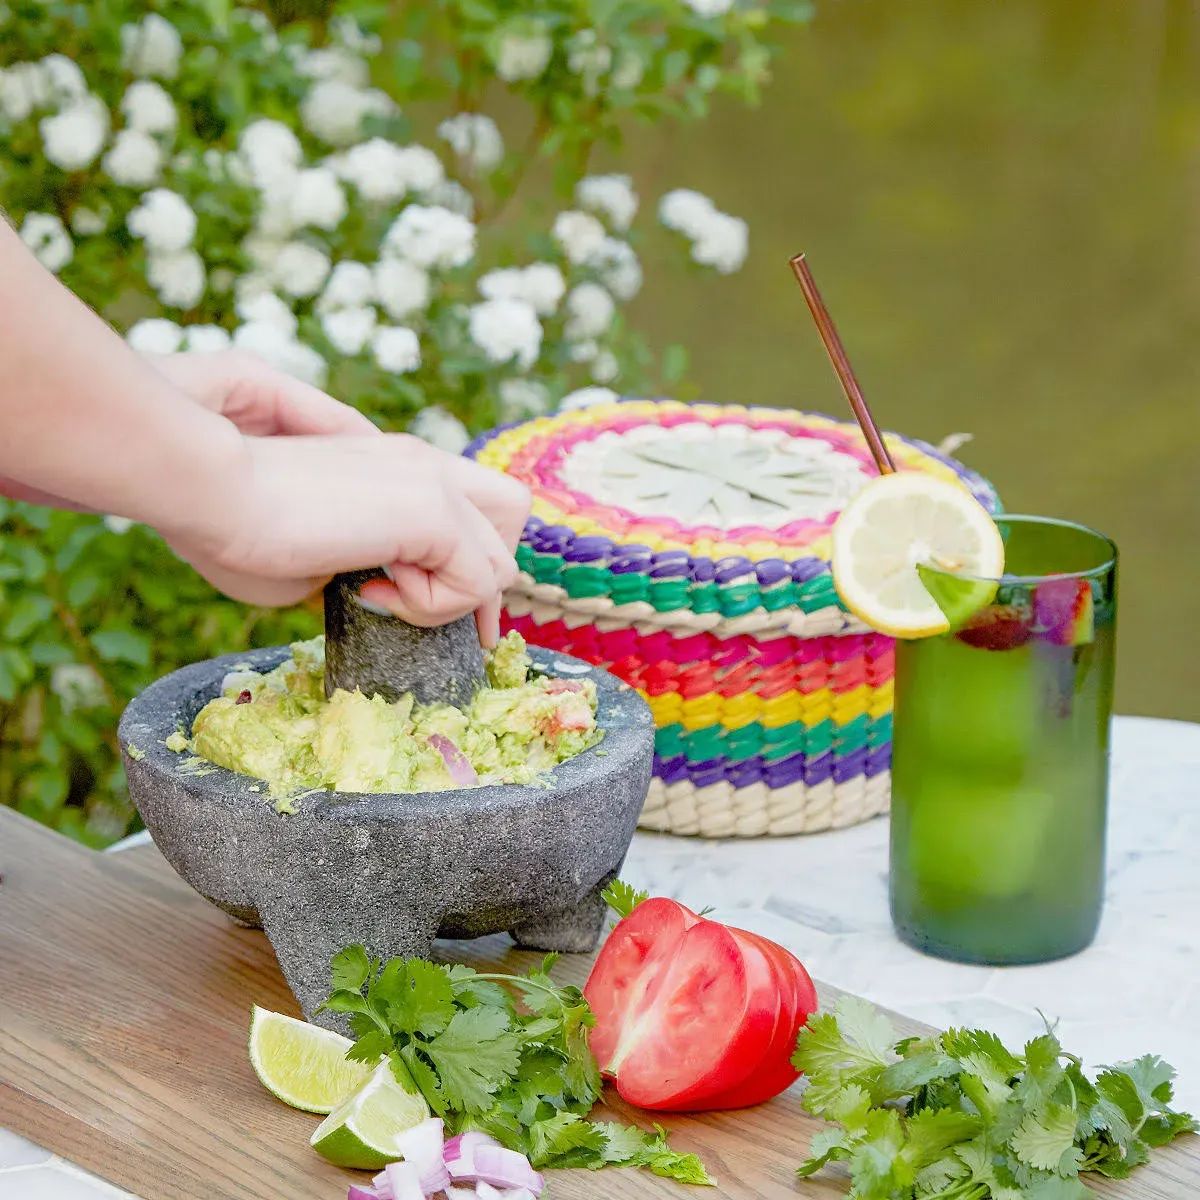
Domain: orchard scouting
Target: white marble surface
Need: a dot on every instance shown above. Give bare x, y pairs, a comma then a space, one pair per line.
825, 898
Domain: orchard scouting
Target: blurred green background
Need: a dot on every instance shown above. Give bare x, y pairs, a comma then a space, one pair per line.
1001, 203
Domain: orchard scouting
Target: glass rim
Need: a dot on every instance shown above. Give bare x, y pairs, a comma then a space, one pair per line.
1096, 572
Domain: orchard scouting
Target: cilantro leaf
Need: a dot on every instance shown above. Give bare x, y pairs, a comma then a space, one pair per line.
932, 1132
1045, 1137
475, 1055
851, 1045
622, 898
470, 989
910, 1074
1163, 1128
371, 1047
1152, 1079
670, 1164
350, 969
554, 1141
623, 1143
426, 1079
419, 998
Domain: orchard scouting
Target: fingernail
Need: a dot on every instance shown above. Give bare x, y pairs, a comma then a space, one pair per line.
368, 606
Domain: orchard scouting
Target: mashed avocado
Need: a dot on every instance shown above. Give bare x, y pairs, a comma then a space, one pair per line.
279, 727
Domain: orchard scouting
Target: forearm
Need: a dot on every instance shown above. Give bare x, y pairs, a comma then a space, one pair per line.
83, 417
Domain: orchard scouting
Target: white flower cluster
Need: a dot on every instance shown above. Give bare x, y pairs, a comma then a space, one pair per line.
612, 196
522, 55
541, 286
47, 237
475, 139
585, 243
718, 240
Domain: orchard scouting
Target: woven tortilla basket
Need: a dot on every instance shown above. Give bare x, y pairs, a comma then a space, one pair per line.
686, 549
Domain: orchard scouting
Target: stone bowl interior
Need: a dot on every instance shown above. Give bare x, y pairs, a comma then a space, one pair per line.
392, 871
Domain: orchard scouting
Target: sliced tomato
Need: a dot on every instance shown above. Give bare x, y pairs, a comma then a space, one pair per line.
681, 1014
630, 970
798, 1000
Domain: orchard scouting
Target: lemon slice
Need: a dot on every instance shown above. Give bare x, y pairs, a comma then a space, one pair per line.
899, 523
303, 1065
362, 1132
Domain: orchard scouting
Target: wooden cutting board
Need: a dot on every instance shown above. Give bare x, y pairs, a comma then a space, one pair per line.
124, 1007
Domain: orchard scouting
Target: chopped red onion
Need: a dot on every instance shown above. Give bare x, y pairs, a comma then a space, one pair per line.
422, 1147
459, 1153
456, 761
359, 1191
493, 1164
404, 1182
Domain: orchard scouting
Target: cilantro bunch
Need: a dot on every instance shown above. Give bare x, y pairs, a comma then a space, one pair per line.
522, 1073
957, 1116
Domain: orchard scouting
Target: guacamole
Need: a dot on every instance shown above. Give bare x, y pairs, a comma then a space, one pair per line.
279, 727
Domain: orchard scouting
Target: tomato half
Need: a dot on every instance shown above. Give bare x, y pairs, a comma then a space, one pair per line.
684, 1009
630, 969
798, 1000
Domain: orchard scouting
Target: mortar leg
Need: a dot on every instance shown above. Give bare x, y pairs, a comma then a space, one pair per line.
575, 930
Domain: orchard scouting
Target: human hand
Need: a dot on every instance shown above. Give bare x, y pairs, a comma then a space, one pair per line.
308, 507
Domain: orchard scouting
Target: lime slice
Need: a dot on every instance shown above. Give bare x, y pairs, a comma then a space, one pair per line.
362, 1132
303, 1065
898, 523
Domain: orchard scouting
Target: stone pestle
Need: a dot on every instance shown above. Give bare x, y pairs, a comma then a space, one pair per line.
380, 654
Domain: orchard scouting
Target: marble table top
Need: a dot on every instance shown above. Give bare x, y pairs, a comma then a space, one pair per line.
824, 896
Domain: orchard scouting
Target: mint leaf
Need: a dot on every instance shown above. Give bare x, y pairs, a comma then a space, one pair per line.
350, 969
622, 898
474, 1056
1043, 1139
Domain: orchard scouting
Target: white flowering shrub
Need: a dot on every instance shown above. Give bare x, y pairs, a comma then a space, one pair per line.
206, 176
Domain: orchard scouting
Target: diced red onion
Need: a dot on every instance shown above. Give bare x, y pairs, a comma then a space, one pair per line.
454, 1192
502, 1168
459, 1153
485, 1191
359, 1191
456, 761
404, 1181
422, 1147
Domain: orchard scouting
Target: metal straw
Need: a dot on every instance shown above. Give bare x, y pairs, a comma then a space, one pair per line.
841, 365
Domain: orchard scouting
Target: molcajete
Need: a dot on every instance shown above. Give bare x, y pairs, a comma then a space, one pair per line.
392, 871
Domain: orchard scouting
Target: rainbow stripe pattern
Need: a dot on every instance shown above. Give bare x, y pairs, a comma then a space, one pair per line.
773, 705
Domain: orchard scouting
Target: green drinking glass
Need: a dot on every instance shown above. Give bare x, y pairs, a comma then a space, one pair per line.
1000, 756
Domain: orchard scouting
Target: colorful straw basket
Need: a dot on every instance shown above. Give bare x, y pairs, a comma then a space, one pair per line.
685, 548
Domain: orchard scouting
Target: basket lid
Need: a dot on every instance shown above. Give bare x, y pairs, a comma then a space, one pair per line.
698, 498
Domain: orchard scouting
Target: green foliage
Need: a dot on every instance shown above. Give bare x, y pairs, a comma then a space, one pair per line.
91, 612
521, 1072
958, 1116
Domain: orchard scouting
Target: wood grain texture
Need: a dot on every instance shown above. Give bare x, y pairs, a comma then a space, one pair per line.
124, 1008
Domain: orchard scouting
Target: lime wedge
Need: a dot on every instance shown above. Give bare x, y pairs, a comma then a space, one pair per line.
303, 1065
958, 598
362, 1132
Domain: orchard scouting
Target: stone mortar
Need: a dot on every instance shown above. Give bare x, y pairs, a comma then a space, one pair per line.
392, 871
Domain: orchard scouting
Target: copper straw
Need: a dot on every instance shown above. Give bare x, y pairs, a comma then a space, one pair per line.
841, 365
